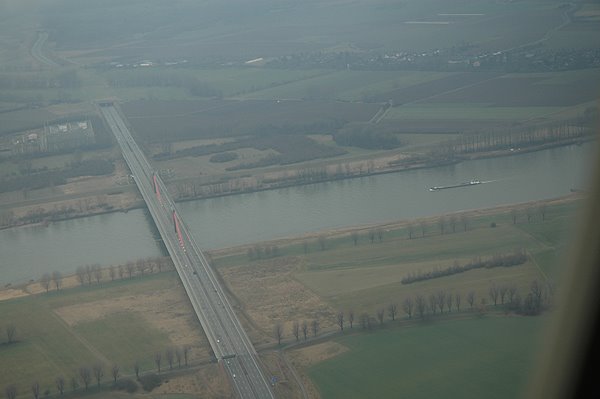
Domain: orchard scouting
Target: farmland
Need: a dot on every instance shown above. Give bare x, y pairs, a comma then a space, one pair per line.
490, 357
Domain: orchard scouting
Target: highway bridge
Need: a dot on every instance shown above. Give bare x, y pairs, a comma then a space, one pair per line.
227, 338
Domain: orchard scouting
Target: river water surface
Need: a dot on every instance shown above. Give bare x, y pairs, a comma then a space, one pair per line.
28, 252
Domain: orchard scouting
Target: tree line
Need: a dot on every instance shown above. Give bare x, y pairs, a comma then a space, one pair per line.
87, 375
89, 274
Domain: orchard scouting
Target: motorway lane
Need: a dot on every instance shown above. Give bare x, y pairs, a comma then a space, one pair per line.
222, 328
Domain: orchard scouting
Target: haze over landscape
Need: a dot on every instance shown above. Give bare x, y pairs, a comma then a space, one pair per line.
289, 199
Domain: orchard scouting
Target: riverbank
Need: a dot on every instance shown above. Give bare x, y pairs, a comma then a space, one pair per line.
112, 199
220, 256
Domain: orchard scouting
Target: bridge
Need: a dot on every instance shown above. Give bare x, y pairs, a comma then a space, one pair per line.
227, 338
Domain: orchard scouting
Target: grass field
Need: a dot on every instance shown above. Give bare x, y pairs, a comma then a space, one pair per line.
490, 357
114, 323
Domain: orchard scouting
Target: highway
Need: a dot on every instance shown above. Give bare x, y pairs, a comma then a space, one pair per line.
227, 338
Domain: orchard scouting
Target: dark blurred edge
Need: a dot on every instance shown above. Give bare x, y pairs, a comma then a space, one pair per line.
568, 364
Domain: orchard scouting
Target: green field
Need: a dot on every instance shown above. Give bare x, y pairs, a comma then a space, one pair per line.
47, 346
491, 357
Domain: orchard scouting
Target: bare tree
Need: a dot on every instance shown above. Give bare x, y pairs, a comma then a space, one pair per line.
411, 231
35, 389
114, 371
449, 301
170, 355
80, 272
140, 266
421, 305
315, 327
457, 299
11, 391
503, 290
322, 240
464, 220
129, 266
379, 234
74, 383
86, 376
296, 330
11, 331
471, 298
112, 272
57, 278
60, 384
364, 321
512, 293
372, 236
98, 372
178, 357
354, 236
433, 303
494, 293
452, 221
45, 282
305, 329
186, 353
407, 306
380, 315
278, 330
97, 270
351, 317
89, 271
136, 369
340, 320
440, 298
157, 359
392, 311
121, 271
529, 214
513, 215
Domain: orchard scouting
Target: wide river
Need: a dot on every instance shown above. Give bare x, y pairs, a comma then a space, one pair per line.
28, 252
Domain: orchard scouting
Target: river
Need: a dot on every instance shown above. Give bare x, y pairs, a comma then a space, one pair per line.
28, 252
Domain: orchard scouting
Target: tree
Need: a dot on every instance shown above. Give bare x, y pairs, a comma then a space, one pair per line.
449, 301
157, 359
379, 234
98, 372
86, 376
60, 384
112, 273
121, 271
45, 282
89, 272
457, 299
372, 236
513, 215
11, 331
351, 317
136, 369
97, 270
186, 353
170, 355
452, 221
364, 321
278, 329
442, 224
115, 373
464, 221
140, 265
296, 330
305, 329
11, 391
512, 293
380, 315
178, 357
494, 293
421, 305
503, 290
440, 298
542, 210
407, 306
411, 230
57, 278
322, 242
392, 311
315, 327
433, 303
354, 236
471, 298
74, 383
340, 320
129, 266
35, 389
80, 272
422, 225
